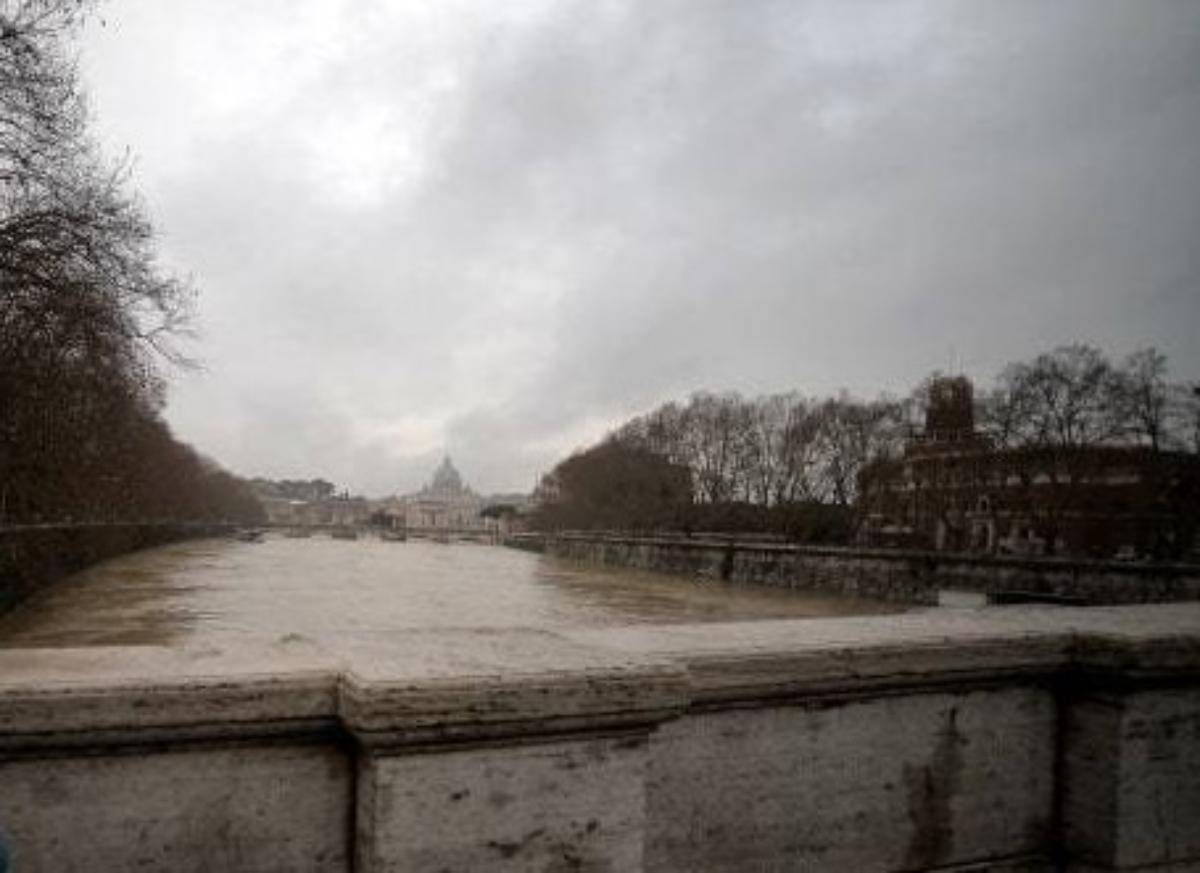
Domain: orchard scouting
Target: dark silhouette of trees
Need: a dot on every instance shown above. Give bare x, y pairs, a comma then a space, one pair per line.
1145, 402
614, 486
774, 450
86, 314
1187, 406
499, 511
1051, 435
1063, 414
784, 465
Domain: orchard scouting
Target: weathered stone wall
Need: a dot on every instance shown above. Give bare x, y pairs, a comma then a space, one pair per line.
893, 575
895, 783
35, 555
257, 806
1030, 740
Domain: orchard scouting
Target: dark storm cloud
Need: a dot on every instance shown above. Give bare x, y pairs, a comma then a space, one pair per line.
499, 232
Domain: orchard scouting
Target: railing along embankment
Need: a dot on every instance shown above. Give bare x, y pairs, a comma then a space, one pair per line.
897, 575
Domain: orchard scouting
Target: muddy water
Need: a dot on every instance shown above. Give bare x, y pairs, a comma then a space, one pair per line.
220, 590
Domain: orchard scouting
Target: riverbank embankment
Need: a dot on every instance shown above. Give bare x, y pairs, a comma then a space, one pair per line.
35, 555
895, 575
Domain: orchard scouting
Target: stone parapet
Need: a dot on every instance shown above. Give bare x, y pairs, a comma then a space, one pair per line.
896, 575
1024, 739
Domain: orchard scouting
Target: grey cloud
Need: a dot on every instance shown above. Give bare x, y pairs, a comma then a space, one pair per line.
551, 217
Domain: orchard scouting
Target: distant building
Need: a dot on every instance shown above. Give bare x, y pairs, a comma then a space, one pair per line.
281, 510
951, 489
446, 503
343, 510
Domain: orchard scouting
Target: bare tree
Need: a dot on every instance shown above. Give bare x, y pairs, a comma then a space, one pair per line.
798, 449
86, 314
1143, 399
1067, 398
853, 434
612, 486
1187, 406
715, 431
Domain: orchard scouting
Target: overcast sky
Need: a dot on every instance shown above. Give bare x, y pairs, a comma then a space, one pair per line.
496, 229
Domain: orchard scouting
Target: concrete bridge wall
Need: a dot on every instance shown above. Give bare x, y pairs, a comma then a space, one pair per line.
885, 574
998, 740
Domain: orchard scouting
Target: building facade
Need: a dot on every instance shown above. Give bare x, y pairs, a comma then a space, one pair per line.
344, 511
953, 490
446, 503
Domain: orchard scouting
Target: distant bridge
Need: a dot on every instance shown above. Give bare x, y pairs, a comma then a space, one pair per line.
475, 534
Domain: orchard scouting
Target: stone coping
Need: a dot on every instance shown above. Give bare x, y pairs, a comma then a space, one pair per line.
432, 685
141, 689
466, 684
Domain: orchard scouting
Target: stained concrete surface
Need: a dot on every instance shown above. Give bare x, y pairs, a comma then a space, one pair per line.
925, 741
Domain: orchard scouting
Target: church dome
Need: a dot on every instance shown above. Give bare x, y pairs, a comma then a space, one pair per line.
446, 480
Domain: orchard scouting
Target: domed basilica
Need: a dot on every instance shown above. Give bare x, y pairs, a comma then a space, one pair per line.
446, 503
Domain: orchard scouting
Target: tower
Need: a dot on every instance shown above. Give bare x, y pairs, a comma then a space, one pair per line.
950, 416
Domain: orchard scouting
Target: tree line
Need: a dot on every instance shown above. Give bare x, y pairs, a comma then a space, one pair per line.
792, 464
87, 314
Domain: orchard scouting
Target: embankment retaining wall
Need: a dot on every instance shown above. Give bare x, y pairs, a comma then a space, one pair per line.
996, 740
35, 555
893, 575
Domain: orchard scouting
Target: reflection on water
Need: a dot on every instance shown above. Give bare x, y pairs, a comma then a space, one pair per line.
319, 588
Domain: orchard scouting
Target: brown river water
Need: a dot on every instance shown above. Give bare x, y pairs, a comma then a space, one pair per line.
213, 591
